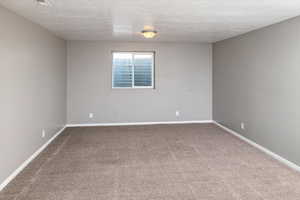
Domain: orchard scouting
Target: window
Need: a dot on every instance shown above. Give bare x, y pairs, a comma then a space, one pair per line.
133, 70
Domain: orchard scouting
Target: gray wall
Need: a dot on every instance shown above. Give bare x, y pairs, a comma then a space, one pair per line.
256, 80
183, 82
33, 88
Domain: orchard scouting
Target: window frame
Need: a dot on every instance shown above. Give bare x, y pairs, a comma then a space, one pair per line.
133, 54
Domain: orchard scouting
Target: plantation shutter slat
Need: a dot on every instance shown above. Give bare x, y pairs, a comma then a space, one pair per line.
122, 70
143, 70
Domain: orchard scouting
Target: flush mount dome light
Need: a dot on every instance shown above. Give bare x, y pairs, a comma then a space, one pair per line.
149, 33
43, 2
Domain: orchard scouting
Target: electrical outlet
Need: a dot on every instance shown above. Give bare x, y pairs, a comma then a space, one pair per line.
177, 113
43, 133
91, 115
243, 126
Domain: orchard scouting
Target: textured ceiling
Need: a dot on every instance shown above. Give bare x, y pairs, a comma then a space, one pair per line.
175, 20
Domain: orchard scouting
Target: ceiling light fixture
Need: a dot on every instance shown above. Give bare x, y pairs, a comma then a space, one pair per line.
43, 2
149, 33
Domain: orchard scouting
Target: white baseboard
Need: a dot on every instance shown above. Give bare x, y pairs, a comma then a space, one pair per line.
261, 148
26, 162
140, 123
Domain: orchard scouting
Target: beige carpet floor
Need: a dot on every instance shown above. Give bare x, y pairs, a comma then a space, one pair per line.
160, 162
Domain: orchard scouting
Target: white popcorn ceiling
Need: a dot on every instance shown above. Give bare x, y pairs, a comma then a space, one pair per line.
175, 20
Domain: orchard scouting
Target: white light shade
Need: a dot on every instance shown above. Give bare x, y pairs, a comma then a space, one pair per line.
43, 2
149, 33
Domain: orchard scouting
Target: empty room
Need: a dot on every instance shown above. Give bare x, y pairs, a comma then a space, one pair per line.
150, 100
